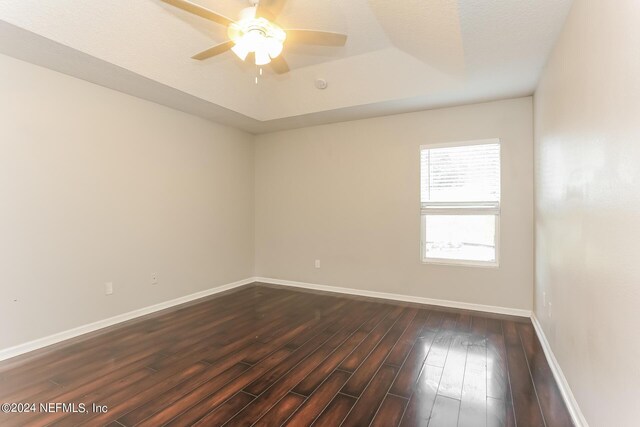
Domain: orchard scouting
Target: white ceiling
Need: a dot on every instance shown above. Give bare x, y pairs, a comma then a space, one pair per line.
402, 55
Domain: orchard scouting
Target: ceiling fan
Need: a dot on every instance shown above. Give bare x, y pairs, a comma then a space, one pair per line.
257, 34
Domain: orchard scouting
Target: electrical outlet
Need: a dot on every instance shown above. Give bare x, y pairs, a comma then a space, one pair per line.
317, 263
108, 288
154, 278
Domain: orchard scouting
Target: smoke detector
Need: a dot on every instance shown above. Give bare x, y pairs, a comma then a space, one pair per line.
321, 84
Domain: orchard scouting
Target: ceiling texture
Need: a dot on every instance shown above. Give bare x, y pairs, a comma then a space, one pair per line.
401, 55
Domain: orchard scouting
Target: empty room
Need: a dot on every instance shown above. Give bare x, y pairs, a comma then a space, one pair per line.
330, 213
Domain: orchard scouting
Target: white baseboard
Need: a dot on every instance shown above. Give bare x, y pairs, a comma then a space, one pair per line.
398, 297
101, 324
561, 380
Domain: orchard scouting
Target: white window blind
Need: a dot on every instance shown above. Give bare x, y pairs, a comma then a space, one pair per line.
468, 173
460, 201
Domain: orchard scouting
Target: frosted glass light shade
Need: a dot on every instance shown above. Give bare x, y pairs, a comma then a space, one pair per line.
274, 47
241, 50
262, 57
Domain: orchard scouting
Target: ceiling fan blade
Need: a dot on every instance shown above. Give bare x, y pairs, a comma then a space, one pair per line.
200, 11
213, 51
320, 38
269, 9
279, 65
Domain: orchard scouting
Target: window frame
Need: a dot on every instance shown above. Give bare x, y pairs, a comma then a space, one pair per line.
460, 208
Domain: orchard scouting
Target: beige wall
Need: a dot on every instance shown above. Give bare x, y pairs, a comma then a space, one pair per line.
587, 115
348, 194
98, 186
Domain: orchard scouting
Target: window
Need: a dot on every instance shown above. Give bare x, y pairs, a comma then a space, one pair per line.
460, 203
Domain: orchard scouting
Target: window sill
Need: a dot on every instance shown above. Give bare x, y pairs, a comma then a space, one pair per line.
461, 263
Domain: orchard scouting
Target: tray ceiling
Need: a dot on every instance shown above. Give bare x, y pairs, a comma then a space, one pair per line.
400, 56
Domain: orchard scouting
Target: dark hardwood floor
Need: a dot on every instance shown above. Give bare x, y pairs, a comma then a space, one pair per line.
269, 356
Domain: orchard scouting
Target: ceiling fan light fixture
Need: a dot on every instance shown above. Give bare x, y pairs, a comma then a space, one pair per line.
257, 35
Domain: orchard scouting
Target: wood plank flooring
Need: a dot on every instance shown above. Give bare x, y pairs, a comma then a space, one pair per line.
268, 356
